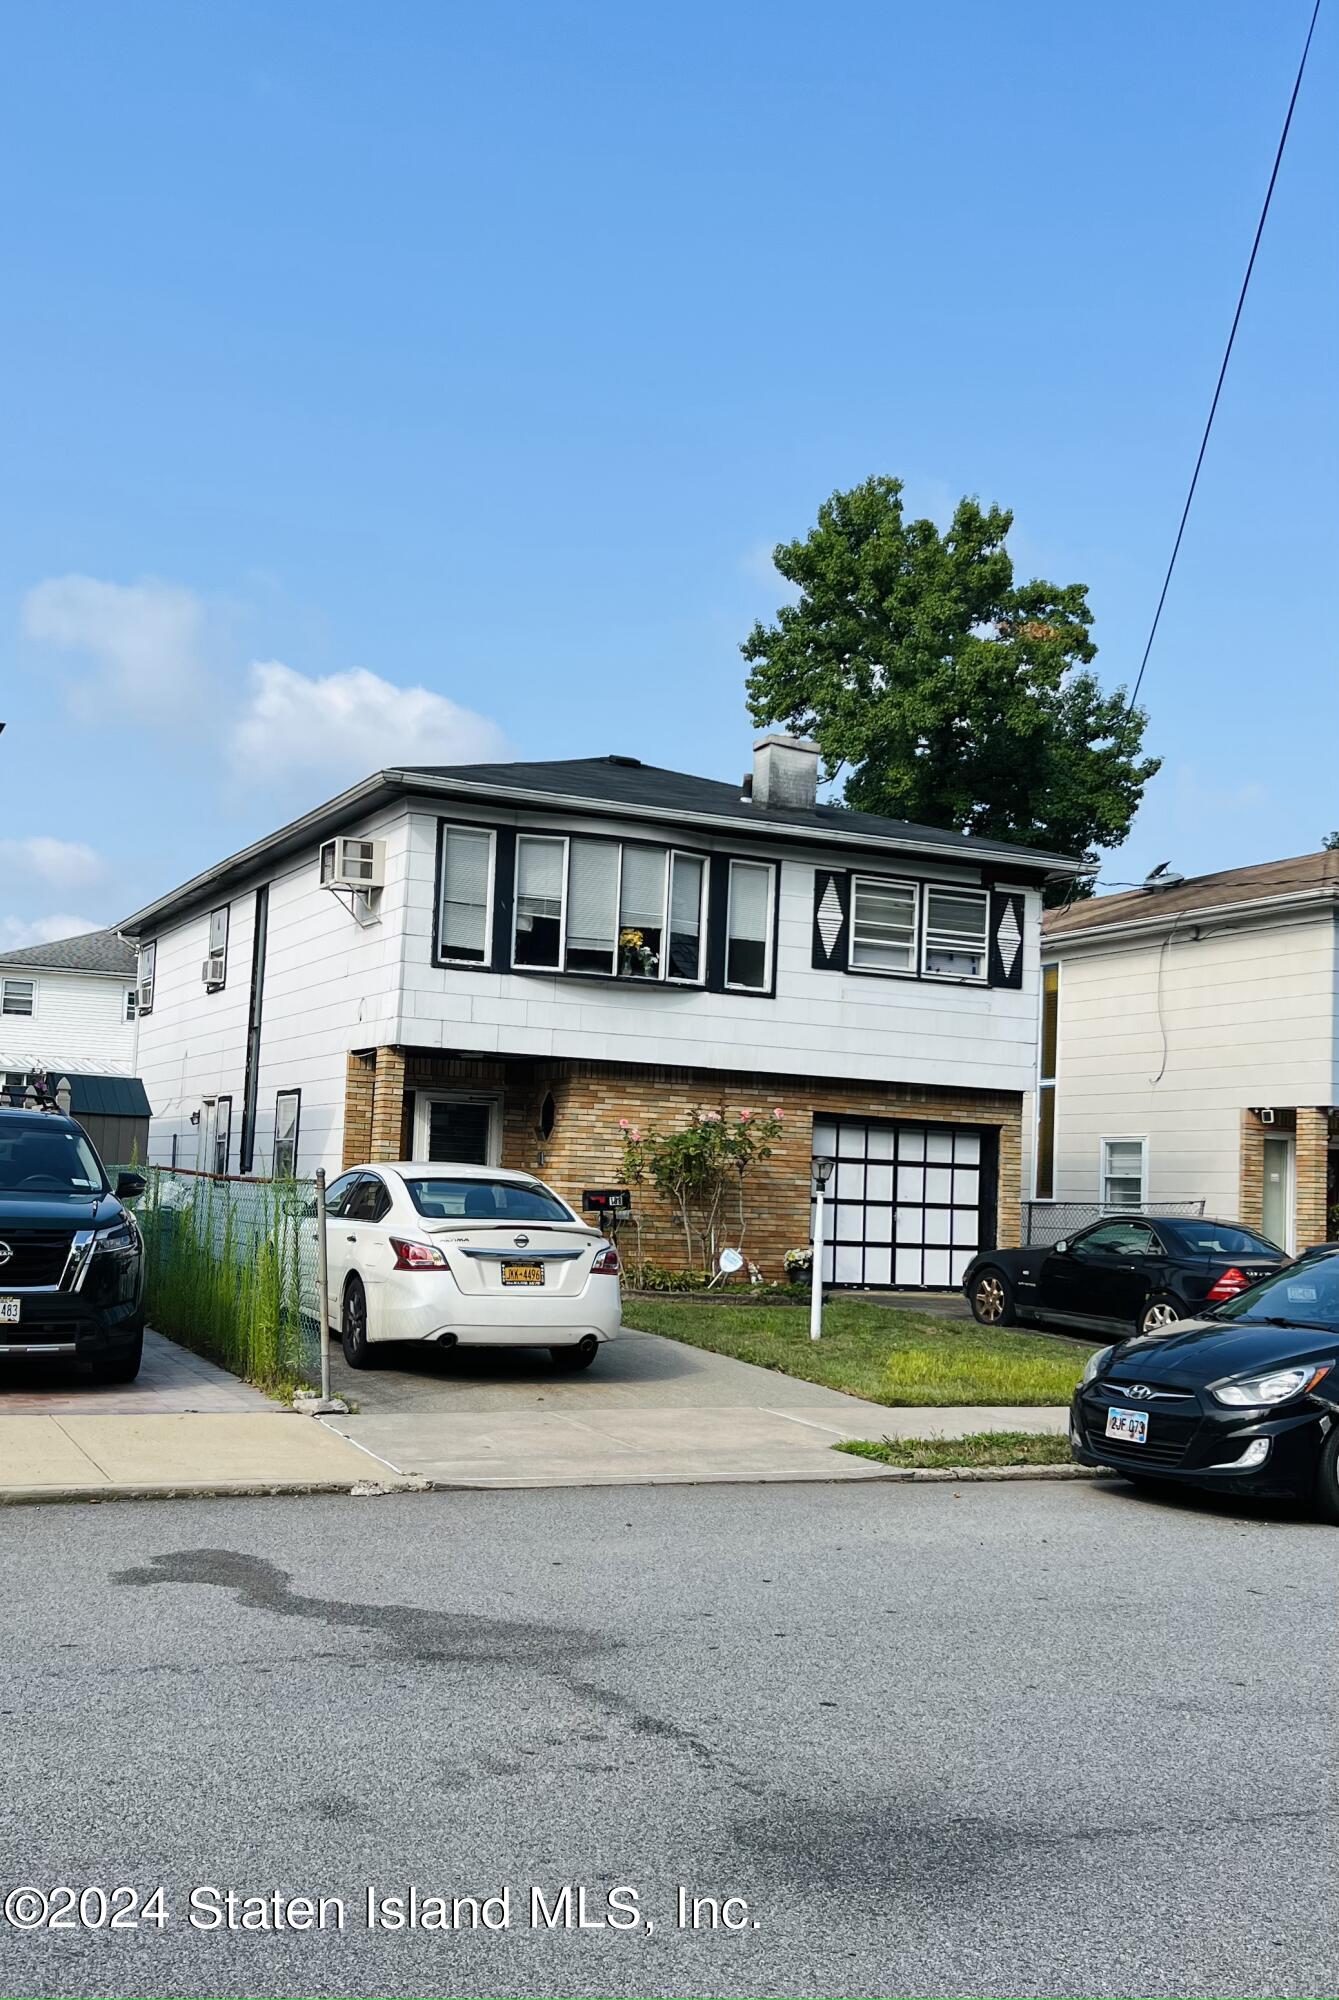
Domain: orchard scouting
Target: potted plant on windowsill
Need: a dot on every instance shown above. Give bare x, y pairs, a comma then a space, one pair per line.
636, 958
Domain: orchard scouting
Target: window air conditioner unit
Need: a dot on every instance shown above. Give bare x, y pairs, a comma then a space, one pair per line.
144, 996
353, 863
212, 972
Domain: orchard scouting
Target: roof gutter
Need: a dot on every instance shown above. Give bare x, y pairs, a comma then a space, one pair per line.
1318, 898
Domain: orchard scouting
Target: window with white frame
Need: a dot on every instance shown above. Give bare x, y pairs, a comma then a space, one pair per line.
131, 998
148, 960
1124, 1172
884, 922
1043, 1164
748, 928
956, 924
541, 872
18, 996
617, 908
216, 962
287, 1110
465, 919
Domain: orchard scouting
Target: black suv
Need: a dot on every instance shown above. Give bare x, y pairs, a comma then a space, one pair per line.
71, 1255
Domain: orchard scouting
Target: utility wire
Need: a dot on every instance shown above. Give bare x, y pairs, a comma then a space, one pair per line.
1227, 356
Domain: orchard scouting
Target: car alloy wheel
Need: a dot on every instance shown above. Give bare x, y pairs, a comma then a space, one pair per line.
990, 1300
1159, 1315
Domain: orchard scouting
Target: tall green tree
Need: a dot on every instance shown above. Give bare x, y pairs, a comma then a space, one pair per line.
945, 691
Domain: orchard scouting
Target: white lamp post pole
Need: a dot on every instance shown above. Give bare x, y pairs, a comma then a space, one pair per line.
822, 1169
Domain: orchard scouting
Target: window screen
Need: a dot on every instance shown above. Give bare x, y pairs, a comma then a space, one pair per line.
467, 854
1122, 1173
883, 926
539, 901
955, 933
592, 899
747, 958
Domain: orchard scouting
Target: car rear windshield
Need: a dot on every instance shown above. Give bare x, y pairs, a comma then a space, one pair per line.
1224, 1239
486, 1201
1308, 1293
48, 1159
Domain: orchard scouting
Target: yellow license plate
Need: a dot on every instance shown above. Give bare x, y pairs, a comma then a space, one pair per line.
522, 1274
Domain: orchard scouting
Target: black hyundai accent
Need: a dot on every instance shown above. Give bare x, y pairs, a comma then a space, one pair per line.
71, 1254
1243, 1399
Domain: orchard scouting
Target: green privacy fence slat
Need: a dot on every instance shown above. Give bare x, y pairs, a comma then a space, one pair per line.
230, 1270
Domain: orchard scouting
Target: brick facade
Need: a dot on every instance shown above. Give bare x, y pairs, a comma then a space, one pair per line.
584, 1148
1309, 1128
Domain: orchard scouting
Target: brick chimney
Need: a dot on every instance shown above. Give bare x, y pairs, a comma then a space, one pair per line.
785, 773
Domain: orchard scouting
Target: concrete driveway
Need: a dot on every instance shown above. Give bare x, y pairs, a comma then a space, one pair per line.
649, 1411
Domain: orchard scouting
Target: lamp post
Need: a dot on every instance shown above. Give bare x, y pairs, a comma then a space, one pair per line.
821, 1167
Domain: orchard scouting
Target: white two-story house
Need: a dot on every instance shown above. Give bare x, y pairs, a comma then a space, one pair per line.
499, 962
1190, 1050
67, 1014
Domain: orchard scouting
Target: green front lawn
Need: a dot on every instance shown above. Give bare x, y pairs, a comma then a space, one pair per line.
982, 1448
880, 1352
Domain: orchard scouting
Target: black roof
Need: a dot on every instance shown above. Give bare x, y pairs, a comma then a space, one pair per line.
93, 951
619, 786
626, 782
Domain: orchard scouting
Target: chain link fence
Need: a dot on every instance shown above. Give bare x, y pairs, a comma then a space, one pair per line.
231, 1270
1045, 1222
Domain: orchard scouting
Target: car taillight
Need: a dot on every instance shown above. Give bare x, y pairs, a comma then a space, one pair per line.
1231, 1282
606, 1260
418, 1256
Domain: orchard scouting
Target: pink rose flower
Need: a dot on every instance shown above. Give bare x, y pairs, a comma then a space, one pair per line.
636, 1137
622, 1124
778, 1112
744, 1117
713, 1118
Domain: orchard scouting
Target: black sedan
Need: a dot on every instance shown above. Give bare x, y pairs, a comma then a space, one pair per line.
1243, 1400
1138, 1273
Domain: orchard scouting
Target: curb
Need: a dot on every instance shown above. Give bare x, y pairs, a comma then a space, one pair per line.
255, 1489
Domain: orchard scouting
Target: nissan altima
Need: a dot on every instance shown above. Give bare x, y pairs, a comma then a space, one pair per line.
466, 1255
1243, 1399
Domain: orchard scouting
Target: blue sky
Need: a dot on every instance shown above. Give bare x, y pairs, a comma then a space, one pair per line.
429, 381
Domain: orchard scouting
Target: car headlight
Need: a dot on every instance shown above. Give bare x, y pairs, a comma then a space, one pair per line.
1095, 1362
122, 1235
1280, 1385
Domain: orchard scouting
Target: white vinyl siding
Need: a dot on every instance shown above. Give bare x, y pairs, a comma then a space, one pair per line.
884, 921
955, 933
748, 949
465, 918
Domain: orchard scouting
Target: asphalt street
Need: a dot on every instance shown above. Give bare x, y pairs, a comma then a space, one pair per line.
997, 1739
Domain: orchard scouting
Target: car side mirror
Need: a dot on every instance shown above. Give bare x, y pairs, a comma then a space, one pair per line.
1061, 1247
129, 1185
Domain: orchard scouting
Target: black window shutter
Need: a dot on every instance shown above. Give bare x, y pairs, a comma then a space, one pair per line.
718, 904
504, 896
1006, 937
832, 919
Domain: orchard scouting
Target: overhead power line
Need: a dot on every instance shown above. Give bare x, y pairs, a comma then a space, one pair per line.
1227, 356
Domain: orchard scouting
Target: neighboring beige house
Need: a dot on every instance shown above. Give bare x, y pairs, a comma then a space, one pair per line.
1189, 1050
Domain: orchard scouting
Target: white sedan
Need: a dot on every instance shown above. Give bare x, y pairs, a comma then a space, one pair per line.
469, 1256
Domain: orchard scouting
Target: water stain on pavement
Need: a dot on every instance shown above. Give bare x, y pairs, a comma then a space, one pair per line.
413, 1631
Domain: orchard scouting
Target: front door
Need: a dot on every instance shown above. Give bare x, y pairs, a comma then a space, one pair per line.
208, 1136
1276, 1210
467, 1130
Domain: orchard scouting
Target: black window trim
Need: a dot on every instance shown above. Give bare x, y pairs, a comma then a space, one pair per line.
439, 956
279, 1096
767, 990
502, 957
922, 884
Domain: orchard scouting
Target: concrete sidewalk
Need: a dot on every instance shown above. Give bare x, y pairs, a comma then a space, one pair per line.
122, 1457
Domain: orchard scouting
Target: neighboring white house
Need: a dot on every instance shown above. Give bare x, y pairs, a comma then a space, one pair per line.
67, 1011
498, 962
72, 1001
1188, 1048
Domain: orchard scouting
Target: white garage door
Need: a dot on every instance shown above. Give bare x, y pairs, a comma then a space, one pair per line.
906, 1203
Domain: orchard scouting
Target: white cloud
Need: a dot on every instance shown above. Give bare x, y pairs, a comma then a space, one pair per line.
143, 641
344, 726
59, 864
16, 932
